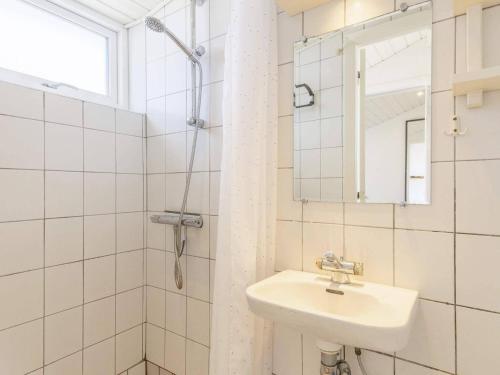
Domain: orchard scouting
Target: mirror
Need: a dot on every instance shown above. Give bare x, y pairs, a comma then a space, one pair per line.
362, 118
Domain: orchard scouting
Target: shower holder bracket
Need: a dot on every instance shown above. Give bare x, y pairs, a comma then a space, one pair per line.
200, 51
196, 122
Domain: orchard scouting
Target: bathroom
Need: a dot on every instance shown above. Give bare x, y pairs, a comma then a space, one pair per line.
264, 187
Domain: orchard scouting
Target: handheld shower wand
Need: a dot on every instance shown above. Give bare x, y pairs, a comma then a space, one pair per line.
156, 25
193, 55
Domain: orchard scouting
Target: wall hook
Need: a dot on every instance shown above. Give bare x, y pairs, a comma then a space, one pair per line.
455, 129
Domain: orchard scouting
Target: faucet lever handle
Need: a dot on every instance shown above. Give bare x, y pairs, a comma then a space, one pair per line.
330, 256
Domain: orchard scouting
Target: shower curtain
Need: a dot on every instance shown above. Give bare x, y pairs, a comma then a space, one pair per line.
241, 343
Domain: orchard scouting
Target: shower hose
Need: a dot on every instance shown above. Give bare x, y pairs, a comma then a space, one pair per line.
179, 242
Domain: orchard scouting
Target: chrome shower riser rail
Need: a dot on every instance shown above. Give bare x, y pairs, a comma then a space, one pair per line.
172, 218
193, 54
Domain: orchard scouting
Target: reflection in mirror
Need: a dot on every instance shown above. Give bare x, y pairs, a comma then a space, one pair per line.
318, 122
415, 170
362, 112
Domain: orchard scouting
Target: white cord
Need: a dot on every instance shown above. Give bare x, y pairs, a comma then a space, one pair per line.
357, 351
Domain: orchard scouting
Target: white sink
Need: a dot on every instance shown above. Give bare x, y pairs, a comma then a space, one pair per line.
366, 315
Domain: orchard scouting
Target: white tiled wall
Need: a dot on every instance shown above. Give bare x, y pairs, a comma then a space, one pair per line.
71, 254
430, 248
178, 321
447, 251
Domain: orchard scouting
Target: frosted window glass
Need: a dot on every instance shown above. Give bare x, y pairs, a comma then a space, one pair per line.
41, 44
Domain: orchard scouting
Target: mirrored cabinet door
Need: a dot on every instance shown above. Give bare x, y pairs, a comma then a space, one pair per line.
362, 111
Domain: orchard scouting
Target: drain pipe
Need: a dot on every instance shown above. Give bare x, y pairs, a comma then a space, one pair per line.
329, 362
331, 359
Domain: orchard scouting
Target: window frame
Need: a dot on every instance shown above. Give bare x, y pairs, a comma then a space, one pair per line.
115, 34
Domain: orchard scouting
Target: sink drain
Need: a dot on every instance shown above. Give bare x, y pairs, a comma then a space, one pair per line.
331, 364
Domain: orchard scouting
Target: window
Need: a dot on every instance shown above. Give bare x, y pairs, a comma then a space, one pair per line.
42, 43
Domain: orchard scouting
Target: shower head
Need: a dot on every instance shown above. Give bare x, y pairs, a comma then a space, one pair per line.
156, 25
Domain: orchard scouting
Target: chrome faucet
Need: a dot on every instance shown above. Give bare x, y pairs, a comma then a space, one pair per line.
341, 269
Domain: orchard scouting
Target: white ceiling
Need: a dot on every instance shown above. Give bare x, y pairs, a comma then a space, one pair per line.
382, 108
384, 50
399, 63
122, 11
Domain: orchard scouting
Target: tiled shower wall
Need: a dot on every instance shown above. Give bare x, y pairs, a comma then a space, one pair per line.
448, 251
71, 236
178, 321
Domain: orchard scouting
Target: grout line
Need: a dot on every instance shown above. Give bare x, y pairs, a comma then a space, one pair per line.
75, 171
193, 89
420, 364
301, 234
179, 335
44, 228
181, 294
83, 239
210, 250
69, 217
68, 309
92, 345
343, 230
382, 227
455, 210
116, 240
145, 203
394, 245
72, 262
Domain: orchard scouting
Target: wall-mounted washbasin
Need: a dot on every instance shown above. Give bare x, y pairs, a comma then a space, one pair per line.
366, 315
